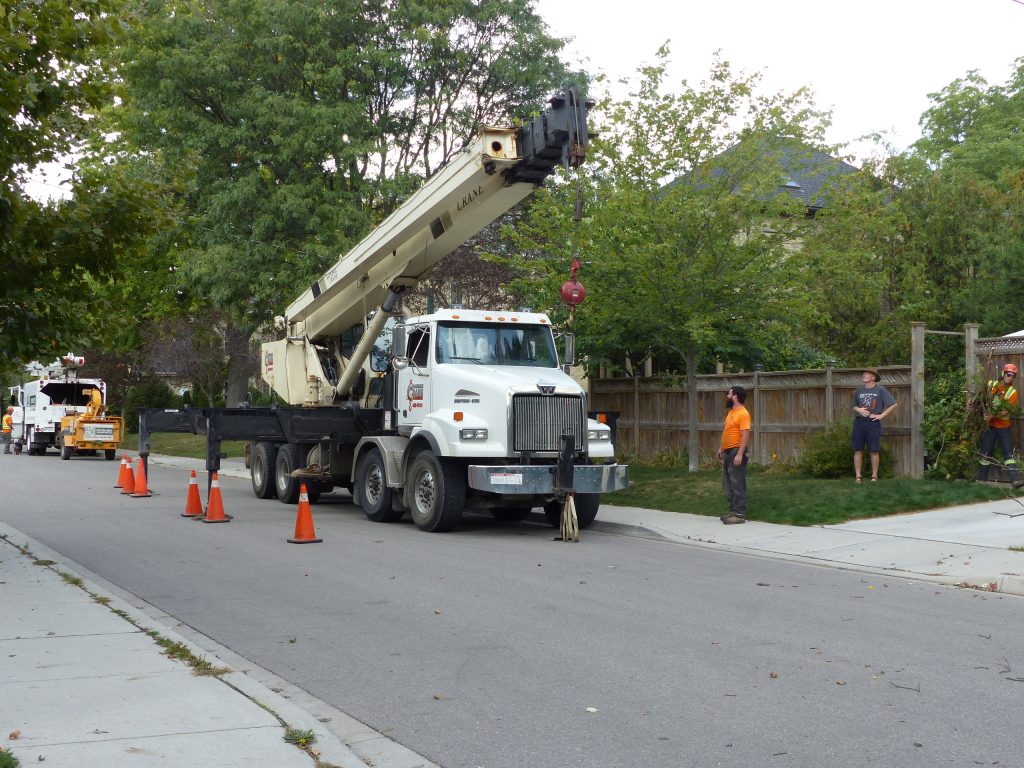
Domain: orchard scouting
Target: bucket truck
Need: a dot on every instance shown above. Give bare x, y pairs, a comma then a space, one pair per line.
463, 408
57, 408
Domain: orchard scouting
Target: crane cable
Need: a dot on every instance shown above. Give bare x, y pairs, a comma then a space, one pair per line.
572, 290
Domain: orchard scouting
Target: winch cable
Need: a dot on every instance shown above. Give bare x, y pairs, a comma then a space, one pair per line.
572, 290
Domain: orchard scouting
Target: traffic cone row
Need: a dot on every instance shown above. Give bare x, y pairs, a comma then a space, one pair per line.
136, 485
132, 484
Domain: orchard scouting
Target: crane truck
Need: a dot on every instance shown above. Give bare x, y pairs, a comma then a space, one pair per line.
463, 408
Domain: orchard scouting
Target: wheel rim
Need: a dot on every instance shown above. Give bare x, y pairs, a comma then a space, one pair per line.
373, 486
424, 491
259, 471
282, 477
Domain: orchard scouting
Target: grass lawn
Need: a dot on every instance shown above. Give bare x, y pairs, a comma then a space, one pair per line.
794, 500
184, 444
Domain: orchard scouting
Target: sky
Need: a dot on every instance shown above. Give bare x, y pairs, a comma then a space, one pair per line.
872, 63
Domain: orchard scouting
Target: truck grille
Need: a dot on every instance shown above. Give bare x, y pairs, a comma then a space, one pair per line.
539, 421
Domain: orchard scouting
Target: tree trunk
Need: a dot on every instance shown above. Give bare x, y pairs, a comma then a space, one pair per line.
693, 436
241, 364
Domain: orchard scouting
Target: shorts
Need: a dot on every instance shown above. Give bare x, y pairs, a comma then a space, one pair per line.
867, 434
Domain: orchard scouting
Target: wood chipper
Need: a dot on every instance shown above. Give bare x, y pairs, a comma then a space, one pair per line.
86, 429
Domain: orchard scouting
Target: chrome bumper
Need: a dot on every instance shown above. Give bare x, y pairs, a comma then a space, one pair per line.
540, 479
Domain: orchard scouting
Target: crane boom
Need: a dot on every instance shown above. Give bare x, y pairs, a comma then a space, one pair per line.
499, 169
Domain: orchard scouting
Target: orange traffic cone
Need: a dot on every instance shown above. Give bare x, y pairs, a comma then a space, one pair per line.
120, 474
304, 533
193, 504
215, 507
141, 485
128, 484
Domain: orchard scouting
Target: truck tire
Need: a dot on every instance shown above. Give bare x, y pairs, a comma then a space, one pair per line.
65, 451
374, 494
262, 470
287, 461
110, 454
587, 505
437, 493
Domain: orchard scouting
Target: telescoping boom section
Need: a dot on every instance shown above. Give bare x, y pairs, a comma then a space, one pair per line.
499, 169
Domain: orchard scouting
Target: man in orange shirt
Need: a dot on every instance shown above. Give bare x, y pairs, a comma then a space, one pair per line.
1004, 399
733, 454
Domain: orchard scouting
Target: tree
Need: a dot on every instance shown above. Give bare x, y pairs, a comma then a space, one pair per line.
51, 81
294, 125
689, 225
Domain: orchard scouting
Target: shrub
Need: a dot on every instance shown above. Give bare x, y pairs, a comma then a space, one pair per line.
951, 427
827, 454
150, 392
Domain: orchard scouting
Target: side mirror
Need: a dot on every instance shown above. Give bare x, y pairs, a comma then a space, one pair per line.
570, 349
399, 342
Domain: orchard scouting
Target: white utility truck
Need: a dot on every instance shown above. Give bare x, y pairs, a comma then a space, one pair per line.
463, 408
48, 396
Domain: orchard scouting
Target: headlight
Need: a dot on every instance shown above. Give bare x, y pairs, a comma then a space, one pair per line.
472, 434
599, 434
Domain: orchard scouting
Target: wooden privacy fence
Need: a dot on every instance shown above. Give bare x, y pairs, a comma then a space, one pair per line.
785, 407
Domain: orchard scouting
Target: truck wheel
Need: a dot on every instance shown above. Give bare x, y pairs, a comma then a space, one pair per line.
374, 494
587, 505
287, 461
110, 454
262, 470
437, 490
65, 451
511, 514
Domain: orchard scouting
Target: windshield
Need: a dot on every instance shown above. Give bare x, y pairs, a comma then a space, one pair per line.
487, 344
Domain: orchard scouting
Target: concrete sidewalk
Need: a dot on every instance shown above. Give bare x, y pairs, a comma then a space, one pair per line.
83, 682
962, 546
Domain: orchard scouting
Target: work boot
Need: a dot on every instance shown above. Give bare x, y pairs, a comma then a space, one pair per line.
1017, 484
732, 519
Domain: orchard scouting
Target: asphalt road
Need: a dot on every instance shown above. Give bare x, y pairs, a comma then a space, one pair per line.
498, 647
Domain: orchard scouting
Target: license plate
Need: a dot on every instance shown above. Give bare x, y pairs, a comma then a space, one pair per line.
507, 478
95, 432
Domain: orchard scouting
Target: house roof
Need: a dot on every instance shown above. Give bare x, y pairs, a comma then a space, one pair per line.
808, 173
805, 171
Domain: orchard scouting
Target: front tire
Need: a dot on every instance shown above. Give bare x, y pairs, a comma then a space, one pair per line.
65, 451
374, 495
587, 505
437, 493
262, 470
287, 461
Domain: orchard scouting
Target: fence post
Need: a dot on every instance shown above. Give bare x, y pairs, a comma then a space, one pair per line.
916, 400
636, 413
970, 356
830, 395
758, 446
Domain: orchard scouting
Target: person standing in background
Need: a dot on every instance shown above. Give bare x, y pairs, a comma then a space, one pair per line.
871, 403
7, 428
733, 454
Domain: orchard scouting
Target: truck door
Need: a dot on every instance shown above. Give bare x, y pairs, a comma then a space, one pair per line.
413, 392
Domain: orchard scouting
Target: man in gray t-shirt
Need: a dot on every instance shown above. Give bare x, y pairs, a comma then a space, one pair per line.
871, 403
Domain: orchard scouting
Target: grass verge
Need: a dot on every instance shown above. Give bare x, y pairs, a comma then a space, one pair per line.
191, 446
793, 499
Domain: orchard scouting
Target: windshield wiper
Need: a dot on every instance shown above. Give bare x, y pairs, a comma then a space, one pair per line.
474, 359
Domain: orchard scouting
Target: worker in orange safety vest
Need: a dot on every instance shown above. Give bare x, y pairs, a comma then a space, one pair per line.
8, 426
